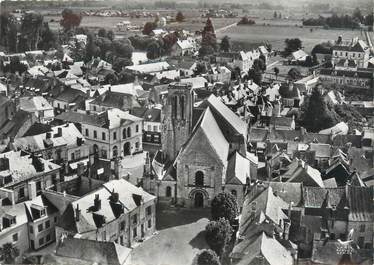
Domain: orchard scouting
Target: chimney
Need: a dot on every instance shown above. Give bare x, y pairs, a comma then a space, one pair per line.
300, 163
286, 229
48, 135
289, 210
32, 190
4, 163
37, 163
97, 202
110, 89
59, 132
302, 131
77, 213
80, 169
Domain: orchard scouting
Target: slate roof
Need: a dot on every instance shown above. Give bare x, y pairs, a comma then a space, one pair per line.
12, 127
359, 46
21, 167
238, 169
149, 67
314, 197
70, 95
18, 211
152, 115
231, 118
96, 252
347, 73
360, 200
68, 138
305, 174
37, 128
39, 201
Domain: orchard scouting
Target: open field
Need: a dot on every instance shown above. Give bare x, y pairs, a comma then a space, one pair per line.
277, 34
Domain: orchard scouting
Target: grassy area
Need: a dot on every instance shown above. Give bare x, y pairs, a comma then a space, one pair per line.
180, 238
276, 35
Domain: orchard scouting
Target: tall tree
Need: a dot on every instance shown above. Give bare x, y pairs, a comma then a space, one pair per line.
224, 205
218, 235
153, 50
179, 17
292, 45
70, 20
31, 28
149, 27
207, 257
9, 252
225, 44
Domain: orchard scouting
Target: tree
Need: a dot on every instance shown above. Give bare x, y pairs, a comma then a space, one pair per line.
148, 28
246, 21
48, 39
207, 257
9, 252
102, 33
218, 234
120, 63
294, 74
316, 115
15, 66
255, 75
358, 15
200, 69
275, 15
224, 205
111, 79
153, 50
180, 17
110, 35
276, 72
292, 45
70, 20
206, 50
225, 44
31, 29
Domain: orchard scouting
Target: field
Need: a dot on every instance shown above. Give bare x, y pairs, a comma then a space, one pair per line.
277, 34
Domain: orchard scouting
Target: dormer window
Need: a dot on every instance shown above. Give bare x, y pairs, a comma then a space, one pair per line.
37, 211
8, 221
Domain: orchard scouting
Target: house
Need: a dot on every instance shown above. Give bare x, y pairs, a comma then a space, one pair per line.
218, 74
116, 212
63, 144
110, 134
113, 100
305, 174
42, 218
149, 68
241, 60
352, 79
39, 106
299, 56
183, 47
356, 50
66, 99
24, 176
152, 126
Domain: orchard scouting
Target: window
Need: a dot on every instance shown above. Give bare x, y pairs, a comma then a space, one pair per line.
103, 235
103, 136
175, 106
42, 212
168, 191
182, 107
72, 156
58, 106
115, 151
137, 128
114, 135
134, 234
135, 219
121, 240
104, 153
362, 228
149, 210
77, 154
41, 241
233, 192
124, 133
40, 227
87, 133
149, 128
155, 128
38, 185
137, 145
361, 241
149, 223
15, 237
48, 238
47, 224
55, 219
156, 138
123, 225
21, 193
199, 178
31, 229
95, 134
129, 132
94, 108
359, 55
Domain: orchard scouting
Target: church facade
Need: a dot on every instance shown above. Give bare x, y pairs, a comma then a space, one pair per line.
204, 146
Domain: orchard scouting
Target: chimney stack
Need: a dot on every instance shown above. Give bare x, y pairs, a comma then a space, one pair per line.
97, 202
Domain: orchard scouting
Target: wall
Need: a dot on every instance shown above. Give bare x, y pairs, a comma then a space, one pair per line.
23, 238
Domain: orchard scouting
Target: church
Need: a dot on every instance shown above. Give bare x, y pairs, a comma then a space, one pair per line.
204, 150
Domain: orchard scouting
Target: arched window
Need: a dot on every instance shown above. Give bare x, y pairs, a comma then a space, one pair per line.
233, 192
124, 134
129, 132
115, 151
199, 178
182, 104
168, 191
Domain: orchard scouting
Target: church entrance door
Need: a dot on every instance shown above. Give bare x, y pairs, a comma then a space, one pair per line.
199, 200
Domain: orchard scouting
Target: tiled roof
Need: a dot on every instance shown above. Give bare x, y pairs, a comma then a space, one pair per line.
361, 206
238, 169
96, 252
70, 95
152, 115
315, 197
12, 127
116, 100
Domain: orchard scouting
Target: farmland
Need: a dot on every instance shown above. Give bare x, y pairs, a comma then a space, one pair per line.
276, 34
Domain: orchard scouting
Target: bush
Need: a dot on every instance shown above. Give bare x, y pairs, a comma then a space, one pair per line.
218, 235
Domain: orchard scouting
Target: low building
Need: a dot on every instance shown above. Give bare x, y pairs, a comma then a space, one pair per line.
152, 126
352, 79
183, 47
356, 50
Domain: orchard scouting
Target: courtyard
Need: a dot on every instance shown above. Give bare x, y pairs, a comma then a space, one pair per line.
180, 237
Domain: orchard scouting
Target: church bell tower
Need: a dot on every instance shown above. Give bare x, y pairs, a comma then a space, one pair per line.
176, 118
